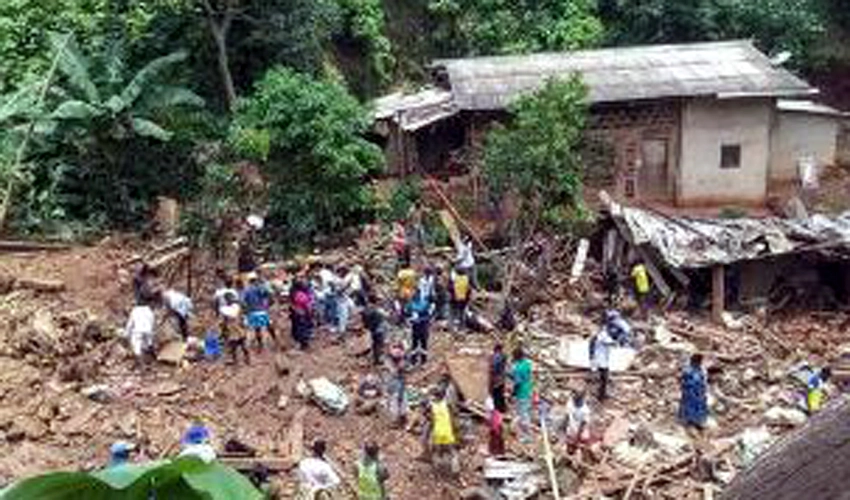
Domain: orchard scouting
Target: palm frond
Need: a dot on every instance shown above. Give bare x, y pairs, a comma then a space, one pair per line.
147, 75
147, 128
74, 110
74, 66
166, 96
19, 103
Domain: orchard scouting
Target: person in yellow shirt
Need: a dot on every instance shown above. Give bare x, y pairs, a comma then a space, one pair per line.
642, 287
443, 438
406, 281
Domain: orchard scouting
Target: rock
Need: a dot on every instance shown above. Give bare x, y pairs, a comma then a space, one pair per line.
281, 365
172, 353
99, 392
752, 442
785, 416
282, 401
330, 397
731, 322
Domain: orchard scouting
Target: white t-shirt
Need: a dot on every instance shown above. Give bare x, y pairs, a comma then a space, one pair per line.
465, 258
315, 473
141, 320
576, 417
203, 451
178, 302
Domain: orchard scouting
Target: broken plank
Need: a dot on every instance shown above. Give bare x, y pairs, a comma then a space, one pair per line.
40, 285
31, 246
293, 445
469, 374
581, 258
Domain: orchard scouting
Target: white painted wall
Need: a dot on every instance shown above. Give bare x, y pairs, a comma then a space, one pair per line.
707, 124
796, 134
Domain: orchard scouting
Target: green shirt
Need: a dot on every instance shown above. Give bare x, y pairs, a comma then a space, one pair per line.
523, 380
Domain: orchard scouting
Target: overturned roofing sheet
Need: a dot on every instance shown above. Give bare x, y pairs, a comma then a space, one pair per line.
717, 69
414, 111
690, 242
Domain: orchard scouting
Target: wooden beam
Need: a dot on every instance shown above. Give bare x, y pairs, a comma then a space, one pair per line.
718, 293
451, 208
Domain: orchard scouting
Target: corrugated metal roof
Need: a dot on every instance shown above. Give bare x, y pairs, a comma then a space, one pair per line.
414, 111
719, 69
808, 107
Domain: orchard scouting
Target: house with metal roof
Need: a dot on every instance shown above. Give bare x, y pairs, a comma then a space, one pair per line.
687, 125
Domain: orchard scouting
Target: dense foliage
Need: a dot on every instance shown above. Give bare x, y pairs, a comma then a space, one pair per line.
797, 26
120, 122
535, 159
307, 135
476, 27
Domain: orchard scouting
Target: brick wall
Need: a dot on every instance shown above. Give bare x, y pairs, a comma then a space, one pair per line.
613, 151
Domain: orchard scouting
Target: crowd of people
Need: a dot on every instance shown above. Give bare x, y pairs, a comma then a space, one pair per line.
324, 297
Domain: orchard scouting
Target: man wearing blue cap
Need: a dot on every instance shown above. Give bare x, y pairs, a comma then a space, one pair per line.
119, 453
195, 443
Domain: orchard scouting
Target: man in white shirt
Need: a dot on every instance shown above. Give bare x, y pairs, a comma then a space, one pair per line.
140, 329
578, 421
180, 306
316, 474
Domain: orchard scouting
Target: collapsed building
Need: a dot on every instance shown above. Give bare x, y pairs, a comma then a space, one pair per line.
768, 262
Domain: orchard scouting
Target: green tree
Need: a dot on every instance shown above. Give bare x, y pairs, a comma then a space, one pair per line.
98, 131
775, 25
307, 135
482, 27
534, 159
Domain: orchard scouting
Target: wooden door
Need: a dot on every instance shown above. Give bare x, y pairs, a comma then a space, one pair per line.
653, 179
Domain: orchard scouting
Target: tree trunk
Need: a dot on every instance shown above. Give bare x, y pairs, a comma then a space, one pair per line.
224, 66
219, 24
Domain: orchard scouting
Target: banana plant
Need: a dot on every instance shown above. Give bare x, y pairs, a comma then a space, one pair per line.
127, 105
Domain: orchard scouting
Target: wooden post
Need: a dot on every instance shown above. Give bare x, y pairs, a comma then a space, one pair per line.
718, 293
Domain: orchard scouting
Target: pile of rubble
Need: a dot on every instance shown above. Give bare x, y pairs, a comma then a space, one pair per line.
68, 389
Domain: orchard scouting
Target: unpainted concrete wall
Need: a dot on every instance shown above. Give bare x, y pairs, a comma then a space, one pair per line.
708, 124
796, 134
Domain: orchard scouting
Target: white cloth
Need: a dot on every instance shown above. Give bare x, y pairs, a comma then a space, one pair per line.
317, 474
465, 258
204, 451
178, 302
139, 329
328, 282
576, 417
602, 343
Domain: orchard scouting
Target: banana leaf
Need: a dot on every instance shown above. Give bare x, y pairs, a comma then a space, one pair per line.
185, 478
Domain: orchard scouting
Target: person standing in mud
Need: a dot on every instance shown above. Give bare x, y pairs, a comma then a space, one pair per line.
257, 298
301, 313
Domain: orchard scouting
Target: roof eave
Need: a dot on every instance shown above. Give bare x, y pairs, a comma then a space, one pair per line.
769, 93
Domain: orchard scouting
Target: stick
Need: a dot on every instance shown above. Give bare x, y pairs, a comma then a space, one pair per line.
550, 462
433, 184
